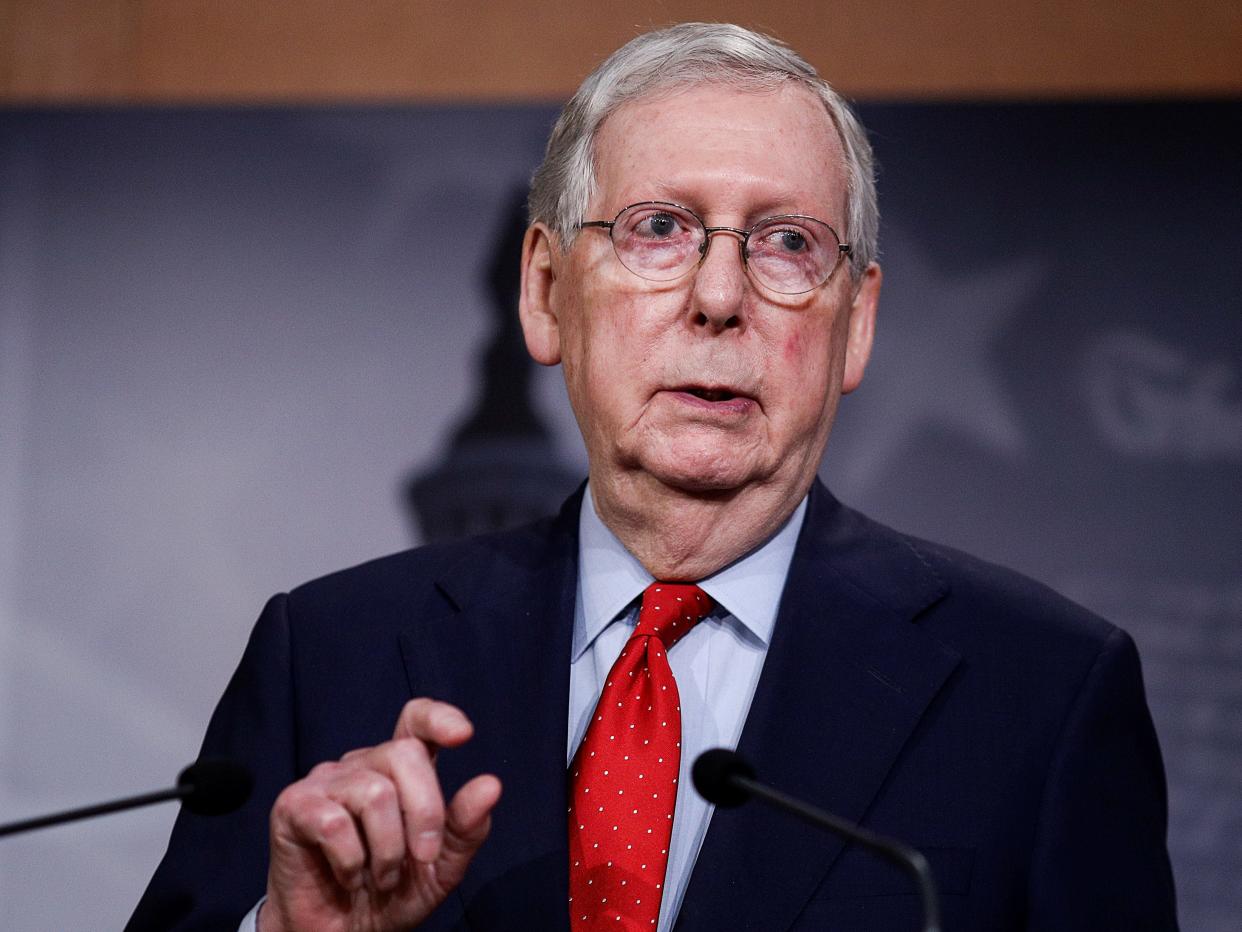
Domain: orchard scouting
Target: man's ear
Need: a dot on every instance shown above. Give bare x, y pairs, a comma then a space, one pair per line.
861, 327
540, 325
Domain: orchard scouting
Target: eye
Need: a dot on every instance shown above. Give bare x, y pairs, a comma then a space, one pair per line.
789, 240
657, 225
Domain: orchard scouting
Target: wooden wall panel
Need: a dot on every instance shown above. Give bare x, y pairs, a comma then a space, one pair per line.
229, 51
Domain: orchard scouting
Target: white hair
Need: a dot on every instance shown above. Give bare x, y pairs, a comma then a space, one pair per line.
683, 56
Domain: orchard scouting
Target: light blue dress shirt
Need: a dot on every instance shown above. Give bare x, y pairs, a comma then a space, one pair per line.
716, 665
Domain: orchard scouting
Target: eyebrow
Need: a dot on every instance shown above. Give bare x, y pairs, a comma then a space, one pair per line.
777, 204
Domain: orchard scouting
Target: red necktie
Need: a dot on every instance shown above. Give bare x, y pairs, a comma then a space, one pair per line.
623, 780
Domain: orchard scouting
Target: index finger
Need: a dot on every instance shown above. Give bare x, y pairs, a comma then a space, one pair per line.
438, 724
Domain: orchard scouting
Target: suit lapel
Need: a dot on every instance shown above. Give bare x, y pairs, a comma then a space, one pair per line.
846, 680
502, 655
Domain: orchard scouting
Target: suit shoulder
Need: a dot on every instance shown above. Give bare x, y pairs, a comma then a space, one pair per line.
985, 602
1026, 651
977, 578
411, 579
1006, 613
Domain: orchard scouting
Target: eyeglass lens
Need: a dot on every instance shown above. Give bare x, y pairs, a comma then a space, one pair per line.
662, 242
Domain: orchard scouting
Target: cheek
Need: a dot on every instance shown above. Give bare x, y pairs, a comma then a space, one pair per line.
806, 371
622, 336
608, 349
794, 348
807, 349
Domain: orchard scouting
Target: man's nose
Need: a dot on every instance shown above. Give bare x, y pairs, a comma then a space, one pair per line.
719, 290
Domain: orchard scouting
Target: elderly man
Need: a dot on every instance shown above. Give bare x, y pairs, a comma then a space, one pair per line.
701, 263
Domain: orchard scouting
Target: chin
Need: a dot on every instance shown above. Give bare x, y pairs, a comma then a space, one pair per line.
702, 471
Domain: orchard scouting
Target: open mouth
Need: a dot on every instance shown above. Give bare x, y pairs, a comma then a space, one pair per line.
721, 400
710, 394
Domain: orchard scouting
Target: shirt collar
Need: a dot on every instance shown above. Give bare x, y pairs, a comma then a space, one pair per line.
610, 578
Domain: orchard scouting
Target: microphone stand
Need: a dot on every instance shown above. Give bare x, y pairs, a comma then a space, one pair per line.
207, 787
902, 855
87, 812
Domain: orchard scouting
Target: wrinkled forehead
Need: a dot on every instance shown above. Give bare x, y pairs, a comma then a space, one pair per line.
772, 146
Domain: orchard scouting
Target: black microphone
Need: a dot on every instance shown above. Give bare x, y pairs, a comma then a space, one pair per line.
206, 787
725, 779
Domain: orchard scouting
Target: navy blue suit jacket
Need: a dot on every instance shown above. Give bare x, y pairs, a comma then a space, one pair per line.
927, 695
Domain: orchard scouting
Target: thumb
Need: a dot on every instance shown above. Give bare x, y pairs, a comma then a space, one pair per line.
466, 824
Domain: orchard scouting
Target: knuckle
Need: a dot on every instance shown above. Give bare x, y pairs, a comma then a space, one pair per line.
293, 800
377, 793
322, 771
334, 823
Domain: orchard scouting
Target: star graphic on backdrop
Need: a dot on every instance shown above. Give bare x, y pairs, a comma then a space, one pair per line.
932, 363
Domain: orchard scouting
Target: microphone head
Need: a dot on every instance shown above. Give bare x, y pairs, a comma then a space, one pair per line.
214, 786
713, 774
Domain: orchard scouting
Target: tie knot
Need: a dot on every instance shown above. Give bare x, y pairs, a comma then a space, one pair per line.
670, 610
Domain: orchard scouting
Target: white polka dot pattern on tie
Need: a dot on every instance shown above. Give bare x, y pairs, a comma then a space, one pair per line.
619, 851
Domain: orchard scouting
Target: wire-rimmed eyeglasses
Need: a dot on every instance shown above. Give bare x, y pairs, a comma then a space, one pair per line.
660, 242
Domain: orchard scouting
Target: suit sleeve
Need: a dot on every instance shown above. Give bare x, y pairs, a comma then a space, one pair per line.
215, 869
1101, 859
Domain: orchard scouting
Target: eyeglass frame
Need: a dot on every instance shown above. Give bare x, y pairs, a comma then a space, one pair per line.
843, 249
